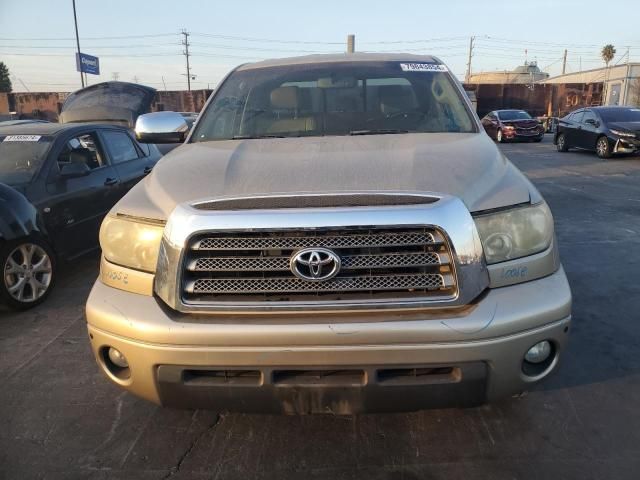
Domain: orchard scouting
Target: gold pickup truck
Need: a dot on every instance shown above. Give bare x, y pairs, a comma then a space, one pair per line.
336, 235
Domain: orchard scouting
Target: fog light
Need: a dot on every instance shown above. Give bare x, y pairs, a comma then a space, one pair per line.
539, 352
117, 358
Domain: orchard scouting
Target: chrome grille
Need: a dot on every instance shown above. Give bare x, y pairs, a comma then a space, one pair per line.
220, 268
279, 285
333, 241
247, 264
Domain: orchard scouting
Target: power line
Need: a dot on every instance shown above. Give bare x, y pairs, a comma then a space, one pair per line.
266, 40
258, 49
63, 47
133, 55
426, 40
87, 38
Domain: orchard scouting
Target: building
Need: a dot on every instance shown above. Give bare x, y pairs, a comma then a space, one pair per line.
616, 85
523, 74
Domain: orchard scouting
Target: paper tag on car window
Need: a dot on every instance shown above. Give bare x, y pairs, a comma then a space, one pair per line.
423, 67
22, 138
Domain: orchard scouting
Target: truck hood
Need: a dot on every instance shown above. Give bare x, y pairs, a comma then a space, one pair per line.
468, 166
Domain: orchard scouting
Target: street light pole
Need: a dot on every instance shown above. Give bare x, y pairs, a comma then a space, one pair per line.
75, 21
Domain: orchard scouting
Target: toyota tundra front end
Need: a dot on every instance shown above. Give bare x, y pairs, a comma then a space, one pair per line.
335, 236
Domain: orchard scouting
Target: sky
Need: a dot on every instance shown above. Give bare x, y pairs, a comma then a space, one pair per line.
139, 40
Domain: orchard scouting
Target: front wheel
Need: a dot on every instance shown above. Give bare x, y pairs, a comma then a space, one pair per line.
28, 267
561, 143
603, 149
499, 137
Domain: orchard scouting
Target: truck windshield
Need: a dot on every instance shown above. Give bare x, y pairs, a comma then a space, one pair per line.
20, 160
357, 98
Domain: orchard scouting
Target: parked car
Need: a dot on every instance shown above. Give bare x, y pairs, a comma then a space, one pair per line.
336, 235
506, 125
605, 130
70, 175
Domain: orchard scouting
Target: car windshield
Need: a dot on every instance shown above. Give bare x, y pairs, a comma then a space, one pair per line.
357, 98
620, 114
514, 115
21, 156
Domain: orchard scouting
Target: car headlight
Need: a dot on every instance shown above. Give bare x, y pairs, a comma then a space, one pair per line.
623, 134
515, 233
131, 242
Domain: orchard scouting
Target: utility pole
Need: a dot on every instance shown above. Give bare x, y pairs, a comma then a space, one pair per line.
185, 42
75, 21
351, 43
468, 75
135, 79
564, 61
115, 76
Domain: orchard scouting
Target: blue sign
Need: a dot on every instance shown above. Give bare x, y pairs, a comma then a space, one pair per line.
87, 64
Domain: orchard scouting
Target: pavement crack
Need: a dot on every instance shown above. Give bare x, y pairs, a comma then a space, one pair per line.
43, 348
176, 468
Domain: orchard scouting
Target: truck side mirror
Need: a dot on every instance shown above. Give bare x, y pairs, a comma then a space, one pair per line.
161, 127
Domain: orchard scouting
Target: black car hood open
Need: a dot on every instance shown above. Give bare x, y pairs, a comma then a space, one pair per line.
109, 102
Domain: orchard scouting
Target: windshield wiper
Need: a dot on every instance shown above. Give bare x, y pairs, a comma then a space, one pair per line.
251, 137
380, 131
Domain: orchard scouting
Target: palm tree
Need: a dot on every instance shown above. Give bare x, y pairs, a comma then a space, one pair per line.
608, 52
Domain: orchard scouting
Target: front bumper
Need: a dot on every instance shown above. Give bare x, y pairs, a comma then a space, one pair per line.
626, 145
337, 363
516, 135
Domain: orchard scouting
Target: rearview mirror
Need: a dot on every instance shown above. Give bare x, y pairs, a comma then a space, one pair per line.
161, 127
74, 170
340, 82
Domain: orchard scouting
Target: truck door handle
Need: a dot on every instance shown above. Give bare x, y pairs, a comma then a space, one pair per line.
147, 170
110, 181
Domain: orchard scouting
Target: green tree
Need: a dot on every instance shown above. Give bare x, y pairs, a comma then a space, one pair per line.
5, 81
608, 52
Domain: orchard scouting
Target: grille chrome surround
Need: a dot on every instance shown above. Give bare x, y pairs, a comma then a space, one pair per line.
453, 252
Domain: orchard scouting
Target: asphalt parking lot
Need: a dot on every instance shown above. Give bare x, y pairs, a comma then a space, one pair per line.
60, 418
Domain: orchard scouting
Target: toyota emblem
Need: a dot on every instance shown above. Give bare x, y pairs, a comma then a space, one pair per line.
315, 264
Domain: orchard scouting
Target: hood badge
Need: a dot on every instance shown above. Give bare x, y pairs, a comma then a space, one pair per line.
315, 264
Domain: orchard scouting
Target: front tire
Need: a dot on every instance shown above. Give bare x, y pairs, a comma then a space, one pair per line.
603, 148
499, 137
561, 143
29, 271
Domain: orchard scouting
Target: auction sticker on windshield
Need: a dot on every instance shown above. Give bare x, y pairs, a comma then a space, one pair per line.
22, 138
423, 67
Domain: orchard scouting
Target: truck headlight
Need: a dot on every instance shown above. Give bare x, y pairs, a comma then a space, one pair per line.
515, 233
131, 242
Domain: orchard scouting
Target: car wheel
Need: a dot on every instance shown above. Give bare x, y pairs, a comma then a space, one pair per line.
561, 143
28, 267
603, 149
499, 137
